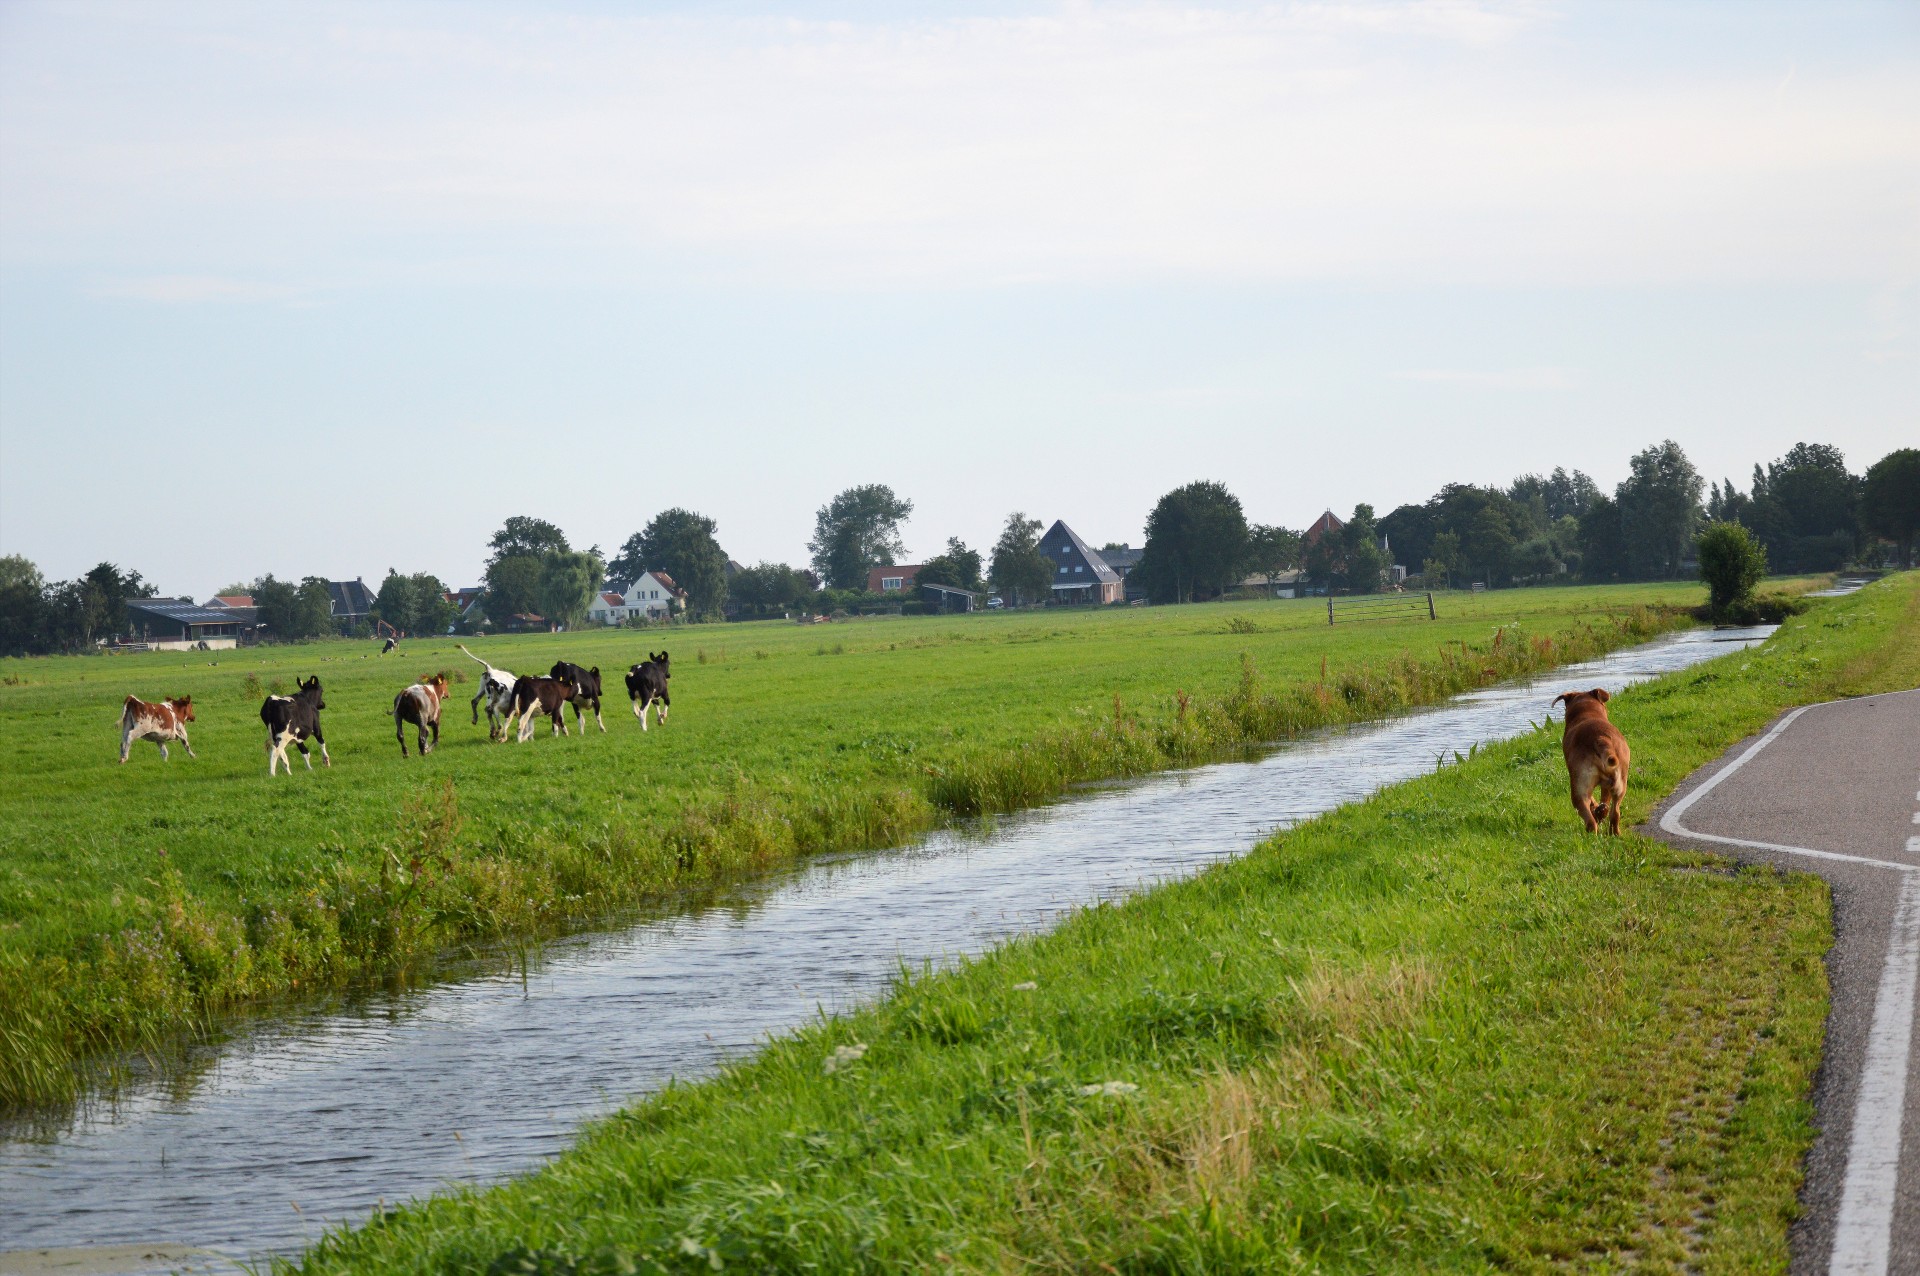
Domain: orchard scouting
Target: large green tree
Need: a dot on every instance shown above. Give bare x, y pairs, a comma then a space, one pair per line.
1603, 548
22, 607
292, 612
856, 531
568, 581
513, 586
1272, 550
1659, 510
957, 566
1020, 571
522, 536
769, 588
1805, 509
1890, 500
682, 544
415, 604
1196, 543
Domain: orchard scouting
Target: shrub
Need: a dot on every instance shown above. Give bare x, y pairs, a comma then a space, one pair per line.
1731, 563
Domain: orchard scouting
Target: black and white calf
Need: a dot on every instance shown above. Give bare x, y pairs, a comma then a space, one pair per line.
535, 696
291, 720
420, 705
647, 686
496, 692
586, 691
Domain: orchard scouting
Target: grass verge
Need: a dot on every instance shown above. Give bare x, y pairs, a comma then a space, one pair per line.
1439, 1030
138, 903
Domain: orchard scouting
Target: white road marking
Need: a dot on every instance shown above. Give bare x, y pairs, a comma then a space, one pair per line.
1863, 1228
1863, 1231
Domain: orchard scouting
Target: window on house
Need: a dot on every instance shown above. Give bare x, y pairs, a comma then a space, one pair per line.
1063, 571
1078, 568
891, 582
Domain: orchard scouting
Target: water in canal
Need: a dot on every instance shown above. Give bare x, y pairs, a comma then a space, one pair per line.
318, 1118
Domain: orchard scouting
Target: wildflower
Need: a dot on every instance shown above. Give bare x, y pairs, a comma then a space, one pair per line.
1109, 1087
843, 1056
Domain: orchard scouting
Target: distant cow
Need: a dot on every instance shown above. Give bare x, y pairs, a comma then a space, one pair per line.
496, 692
420, 705
647, 685
534, 696
292, 720
586, 691
156, 722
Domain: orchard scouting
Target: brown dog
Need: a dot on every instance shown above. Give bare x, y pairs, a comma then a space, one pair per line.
1597, 758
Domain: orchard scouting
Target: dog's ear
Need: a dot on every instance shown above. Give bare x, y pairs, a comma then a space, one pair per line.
1562, 696
1600, 694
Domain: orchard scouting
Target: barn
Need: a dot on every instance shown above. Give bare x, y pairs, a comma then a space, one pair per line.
181, 624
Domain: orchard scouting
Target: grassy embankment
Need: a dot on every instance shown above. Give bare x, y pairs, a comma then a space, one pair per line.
139, 901
1440, 1030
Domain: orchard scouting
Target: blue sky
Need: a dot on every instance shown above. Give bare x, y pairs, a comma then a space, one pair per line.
337, 289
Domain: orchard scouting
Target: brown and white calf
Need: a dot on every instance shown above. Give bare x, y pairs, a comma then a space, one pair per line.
420, 705
156, 722
534, 696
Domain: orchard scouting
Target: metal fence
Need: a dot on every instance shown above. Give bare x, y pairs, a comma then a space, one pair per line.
1380, 607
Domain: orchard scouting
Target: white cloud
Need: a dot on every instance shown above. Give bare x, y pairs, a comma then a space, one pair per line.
1404, 143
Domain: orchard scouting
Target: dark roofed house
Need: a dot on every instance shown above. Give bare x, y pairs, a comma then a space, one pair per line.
352, 601
181, 624
1080, 575
1123, 559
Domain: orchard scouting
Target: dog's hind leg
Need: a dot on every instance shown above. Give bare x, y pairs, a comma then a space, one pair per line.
1583, 805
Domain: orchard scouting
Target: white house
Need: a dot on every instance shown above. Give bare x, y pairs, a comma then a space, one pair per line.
653, 596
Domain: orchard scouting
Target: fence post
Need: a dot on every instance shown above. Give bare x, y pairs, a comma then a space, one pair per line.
1430, 615
1329, 607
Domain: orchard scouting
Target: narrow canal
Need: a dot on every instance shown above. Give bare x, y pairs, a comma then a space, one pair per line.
318, 1118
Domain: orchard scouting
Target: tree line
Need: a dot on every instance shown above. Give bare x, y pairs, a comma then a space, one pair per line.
1803, 512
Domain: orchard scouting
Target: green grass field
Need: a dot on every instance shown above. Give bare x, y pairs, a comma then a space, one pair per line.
137, 901
1441, 1030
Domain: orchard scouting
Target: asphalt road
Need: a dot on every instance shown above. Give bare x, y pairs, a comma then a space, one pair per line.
1834, 789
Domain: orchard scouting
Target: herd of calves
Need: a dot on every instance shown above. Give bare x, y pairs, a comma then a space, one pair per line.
293, 720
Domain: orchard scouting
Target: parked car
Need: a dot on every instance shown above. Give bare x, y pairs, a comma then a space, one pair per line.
994, 603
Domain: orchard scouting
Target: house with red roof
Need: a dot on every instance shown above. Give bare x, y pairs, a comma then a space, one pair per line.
649, 596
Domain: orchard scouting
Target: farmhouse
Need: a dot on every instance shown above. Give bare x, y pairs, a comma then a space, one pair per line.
1123, 558
181, 624
650, 596
352, 602
1080, 575
229, 601
1326, 523
892, 579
